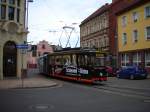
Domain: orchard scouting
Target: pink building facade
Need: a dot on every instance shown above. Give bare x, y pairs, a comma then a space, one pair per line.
43, 47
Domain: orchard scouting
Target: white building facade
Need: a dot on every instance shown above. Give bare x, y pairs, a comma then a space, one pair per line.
13, 32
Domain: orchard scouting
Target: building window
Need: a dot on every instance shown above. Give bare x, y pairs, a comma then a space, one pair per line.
87, 44
100, 43
18, 3
135, 36
91, 43
147, 33
11, 13
147, 59
95, 43
43, 46
3, 0
107, 42
18, 15
136, 59
86, 30
103, 42
147, 11
124, 21
125, 60
11, 1
3, 12
135, 16
34, 50
124, 38
39, 54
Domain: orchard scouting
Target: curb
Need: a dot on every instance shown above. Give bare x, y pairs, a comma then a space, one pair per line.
31, 87
36, 87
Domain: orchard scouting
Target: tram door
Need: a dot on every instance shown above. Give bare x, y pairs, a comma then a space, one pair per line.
9, 59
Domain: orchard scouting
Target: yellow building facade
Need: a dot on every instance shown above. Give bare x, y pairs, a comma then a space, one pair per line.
139, 25
13, 32
134, 34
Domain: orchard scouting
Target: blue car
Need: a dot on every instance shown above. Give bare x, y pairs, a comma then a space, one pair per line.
132, 72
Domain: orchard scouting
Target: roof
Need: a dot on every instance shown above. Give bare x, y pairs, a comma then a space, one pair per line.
101, 10
132, 5
66, 51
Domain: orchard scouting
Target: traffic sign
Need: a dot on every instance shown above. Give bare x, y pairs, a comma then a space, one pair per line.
22, 46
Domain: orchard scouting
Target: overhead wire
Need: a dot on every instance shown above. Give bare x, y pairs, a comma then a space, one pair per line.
43, 28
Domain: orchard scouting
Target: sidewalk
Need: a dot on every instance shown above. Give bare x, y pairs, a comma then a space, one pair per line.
33, 80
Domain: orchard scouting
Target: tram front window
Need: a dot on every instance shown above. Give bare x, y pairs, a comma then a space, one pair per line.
99, 62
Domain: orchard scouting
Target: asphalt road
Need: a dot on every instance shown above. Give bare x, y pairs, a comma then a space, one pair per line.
73, 97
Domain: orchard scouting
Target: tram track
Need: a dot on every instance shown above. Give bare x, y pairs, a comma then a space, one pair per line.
140, 94
124, 92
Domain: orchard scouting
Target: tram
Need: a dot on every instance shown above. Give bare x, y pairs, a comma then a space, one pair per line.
83, 65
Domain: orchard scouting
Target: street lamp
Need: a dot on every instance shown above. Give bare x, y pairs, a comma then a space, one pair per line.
27, 11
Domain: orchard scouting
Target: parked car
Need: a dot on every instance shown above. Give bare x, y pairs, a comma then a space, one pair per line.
110, 71
132, 72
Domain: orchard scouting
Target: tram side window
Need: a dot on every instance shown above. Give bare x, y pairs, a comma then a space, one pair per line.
52, 60
86, 60
74, 60
89, 60
66, 60
81, 60
92, 60
58, 60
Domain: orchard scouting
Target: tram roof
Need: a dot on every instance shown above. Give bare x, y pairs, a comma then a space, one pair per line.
75, 51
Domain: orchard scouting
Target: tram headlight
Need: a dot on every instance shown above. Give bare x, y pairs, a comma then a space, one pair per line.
101, 74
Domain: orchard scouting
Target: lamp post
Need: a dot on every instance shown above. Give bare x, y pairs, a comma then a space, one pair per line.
27, 11
23, 47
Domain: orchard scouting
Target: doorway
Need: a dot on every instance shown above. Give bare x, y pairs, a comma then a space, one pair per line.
10, 59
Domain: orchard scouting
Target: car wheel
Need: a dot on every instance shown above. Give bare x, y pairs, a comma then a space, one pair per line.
131, 77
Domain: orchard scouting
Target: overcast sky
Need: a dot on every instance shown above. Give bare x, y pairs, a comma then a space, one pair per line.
47, 17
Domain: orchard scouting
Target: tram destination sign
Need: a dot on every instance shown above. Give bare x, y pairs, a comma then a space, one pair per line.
22, 46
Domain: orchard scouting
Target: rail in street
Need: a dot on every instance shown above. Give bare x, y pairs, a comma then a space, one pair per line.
138, 94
